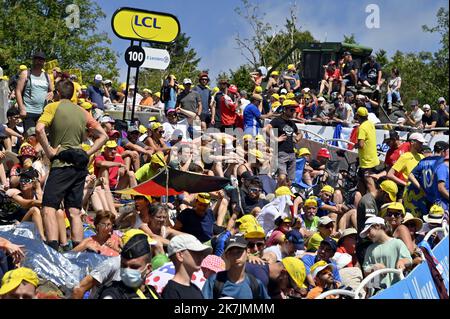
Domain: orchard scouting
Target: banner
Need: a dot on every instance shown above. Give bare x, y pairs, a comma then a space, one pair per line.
76, 72
156, 59
50, 65
398, 291
440, 252
421, 284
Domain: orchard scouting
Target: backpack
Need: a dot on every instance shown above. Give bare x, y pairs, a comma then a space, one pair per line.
165, 93
13, 82
8, 208
222, 277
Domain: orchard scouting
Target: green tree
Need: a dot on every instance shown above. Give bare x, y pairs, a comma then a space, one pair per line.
183, 64
27, 26
381, 57
350, 39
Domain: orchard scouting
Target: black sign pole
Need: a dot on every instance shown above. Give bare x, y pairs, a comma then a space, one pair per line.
135, 88
126, 93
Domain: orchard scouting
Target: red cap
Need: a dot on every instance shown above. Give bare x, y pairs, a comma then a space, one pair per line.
232, 89
323, 152
113, 132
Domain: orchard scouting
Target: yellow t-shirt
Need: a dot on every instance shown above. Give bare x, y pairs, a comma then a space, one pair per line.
368, 156
406, 163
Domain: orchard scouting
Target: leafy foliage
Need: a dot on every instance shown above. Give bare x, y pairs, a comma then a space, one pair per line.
28, 26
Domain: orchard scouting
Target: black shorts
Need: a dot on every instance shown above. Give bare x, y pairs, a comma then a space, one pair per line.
64, 183
364, 172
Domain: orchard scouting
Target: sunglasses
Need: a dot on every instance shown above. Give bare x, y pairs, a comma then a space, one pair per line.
254, 190
394, 214
259, 245
26, 180
161, 132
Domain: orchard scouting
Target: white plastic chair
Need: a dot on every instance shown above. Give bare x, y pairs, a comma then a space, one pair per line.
336, 292
374, 275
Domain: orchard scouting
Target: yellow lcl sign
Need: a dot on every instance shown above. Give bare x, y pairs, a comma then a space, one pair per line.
142, 25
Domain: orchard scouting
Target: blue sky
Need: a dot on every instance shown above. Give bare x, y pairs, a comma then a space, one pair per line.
213, 25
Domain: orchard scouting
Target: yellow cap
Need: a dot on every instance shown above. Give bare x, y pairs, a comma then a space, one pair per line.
158, 158
437, 210
173, 76
296, 270
362, 111
133, 232
204, 198
392, 206
148, 197
256, 153
81, 101
122, 86
290, 96
282, 96
318, 267
13, 278
181, 86
147, 90
260, 138
275, 104
328, 189
247, 137
215, 90
275, 73
84, 87
391, 188
158, 94
23, 67
153, 119
258, 89
276, 96
303, 151
245, 222
310, 202
283, 190
111, 144
288, 102
291, 67
254, 231
86, 105
156, 125
142, 129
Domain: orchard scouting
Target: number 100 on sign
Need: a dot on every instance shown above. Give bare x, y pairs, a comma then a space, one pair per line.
135, 56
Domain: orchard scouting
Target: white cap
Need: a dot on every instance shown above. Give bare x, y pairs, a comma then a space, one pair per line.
187, 81
417, 137
441, 99
426, 107
107, 119
369, 222
325, 220
341, 259
98, 77
306, 90
186, 242
400, 120
321, 99
283, 91
131, 87
107, 81
320, 268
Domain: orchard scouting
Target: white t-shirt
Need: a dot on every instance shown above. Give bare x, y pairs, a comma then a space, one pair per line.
169, 129
243, 104
417, 115
276, 250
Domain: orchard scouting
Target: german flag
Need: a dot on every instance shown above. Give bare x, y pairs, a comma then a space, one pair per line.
170, 181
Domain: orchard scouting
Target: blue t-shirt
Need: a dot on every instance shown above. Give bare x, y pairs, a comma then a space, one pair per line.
170, 104
198, 226
310, 260
441, 175
205, 94
252, 116
309, 111
96, 95
320, 211
240, 290
424, 172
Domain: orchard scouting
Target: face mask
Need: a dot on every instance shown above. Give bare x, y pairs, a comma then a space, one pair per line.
131, 277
